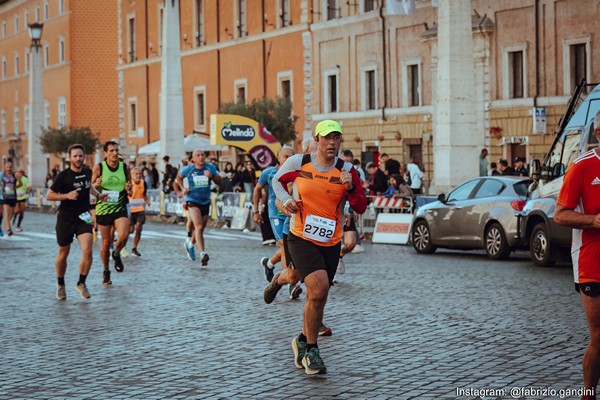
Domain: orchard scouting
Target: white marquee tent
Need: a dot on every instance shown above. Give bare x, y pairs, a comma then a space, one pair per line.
190, 143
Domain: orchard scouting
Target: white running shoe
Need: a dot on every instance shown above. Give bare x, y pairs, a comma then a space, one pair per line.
341, 268
358, 249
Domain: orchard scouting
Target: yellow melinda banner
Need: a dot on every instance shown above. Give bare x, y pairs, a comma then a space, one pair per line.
247, 135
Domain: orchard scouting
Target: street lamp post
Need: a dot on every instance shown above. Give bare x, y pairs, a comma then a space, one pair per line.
36, 159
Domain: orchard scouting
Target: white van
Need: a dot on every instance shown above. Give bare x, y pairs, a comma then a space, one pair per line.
537, 230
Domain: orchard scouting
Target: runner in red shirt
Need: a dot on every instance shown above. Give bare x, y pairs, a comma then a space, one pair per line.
579, 207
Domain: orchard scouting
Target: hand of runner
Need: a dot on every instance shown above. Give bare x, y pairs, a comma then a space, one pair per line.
346, 179
293, 206
73, 195
98, 182
103, 196
596, 221
346, 218
257, 218
208, 174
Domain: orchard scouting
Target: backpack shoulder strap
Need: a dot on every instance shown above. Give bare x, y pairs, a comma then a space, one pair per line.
306, 159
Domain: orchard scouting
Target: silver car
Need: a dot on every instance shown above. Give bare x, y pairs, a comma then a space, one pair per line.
478, 214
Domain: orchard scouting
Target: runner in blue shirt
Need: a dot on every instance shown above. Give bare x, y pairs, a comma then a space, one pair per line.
276, 217
195, 180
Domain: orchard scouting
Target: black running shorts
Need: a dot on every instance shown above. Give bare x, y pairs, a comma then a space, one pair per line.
351, 226
110, 219
69, 225
286, 250
136, 217
204, 208
10, 202
591, 289
309, 257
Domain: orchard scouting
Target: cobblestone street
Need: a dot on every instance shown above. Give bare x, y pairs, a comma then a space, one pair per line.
405, 326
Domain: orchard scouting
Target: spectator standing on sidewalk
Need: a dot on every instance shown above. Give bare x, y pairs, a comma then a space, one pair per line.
236, 180
249, 178
390, 166
378, 183
578, 207
358, 168
154, 175
493, 169
414, 174
520, 167
505, 169
483, 162
169, 175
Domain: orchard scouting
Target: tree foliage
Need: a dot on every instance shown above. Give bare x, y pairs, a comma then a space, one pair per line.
57, 140
275, 115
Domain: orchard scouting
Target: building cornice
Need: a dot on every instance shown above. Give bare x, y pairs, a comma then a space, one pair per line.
342, 22
246, 39
479, 24
221, 45
374, 113
7, 5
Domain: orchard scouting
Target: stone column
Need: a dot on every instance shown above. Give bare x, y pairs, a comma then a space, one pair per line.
456, 139
171, 100
36, 159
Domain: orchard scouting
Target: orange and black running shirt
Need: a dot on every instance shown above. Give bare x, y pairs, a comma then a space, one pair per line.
580, 191
137, 201
322, 197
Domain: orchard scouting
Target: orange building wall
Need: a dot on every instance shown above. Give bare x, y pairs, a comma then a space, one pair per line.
93, 39
86, 78
215, 65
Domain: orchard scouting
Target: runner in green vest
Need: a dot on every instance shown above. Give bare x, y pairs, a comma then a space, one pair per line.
111, 177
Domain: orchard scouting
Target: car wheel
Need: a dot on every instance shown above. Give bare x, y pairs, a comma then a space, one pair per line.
496, 246
421, 238
540, 247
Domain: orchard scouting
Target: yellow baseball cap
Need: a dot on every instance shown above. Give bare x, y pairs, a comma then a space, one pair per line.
327, 126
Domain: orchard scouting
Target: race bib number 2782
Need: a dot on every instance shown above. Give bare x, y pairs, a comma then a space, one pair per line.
319, 228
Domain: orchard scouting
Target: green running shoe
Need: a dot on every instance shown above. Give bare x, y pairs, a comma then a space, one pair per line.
299, 351
313, 363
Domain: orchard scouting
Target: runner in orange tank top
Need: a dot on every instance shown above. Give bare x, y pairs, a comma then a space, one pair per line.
321, 184
137, 205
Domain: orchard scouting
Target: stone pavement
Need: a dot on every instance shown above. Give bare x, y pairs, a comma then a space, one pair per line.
405, 326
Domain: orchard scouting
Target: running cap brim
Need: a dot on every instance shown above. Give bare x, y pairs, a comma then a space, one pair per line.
326, 127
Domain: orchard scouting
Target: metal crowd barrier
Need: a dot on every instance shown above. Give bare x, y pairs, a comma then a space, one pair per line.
380, 204
224, 206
